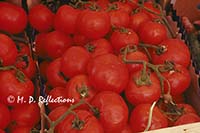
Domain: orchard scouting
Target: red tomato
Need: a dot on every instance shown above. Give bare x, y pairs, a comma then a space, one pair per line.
74, 61
178, 99
187, 118
119, 18
113, 111
22, 129
140, 115
127, 129
176, 51
25, 115
39, 44
179, 80
137, 19
103, 4
23, 49
120, 39
4, 116
123, 6
138, 94
41, 18
43, 69
2, 131
137, 55
56, 43
132, 4
79, 39
152, 32
187, 108
79, 88
93, 24
12, 86
13, 19
65, 19
55, 93
99, 47
107, 72
91, 124
54, 76
8, 50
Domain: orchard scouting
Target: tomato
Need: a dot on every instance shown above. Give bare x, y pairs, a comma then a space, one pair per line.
113, 111
179, 80
176, 51
91, 124
119, 18
13, 19
187, 118
93, 24
137, 55
8, 50
56, 43
55, 93
99, 47
39, 45
123, 6
132, 4
187, 108
26, 65
22, 129
12, 86
179, 98
2, 131
122, 38
25, 115
54, 76
74, 61
126, 129
138, 94
43, 69
107, 72
4, 116
79, 88
23, 49
65, 19
102, 4
140, 115
137, 19
152, 32
41, 18
80, 40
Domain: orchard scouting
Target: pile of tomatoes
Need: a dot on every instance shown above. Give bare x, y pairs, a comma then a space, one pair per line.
106, 66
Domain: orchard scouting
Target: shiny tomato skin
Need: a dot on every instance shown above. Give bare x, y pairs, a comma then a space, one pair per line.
137, 94
152, 33
13, 19
65, 19
74, 61
113, 111
5, 116
8, 50
56, 43
187, 118
176, 51
179, 80
41, 18
11, 86
93, 24
53, 74
107, 72
121, 39
140, 115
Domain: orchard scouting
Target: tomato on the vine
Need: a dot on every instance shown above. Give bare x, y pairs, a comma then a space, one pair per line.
5, 116
187, 118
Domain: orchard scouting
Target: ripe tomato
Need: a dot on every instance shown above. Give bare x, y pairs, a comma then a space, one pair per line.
126, 129
43, 69
140, 115
113, 111
120, 39
12, 86
54, 76
79, 39
176, 51
179, 80
187, 118
187, 108
13, 19
39, 45
25, 115
106, 72
56, 43
65, 19
138, 94
99, 47
41, 18
4, 116
23, 49
79, 88
2, 131
74, 61
132, 4
21, 129
138, 19
123, 6
93, 24
152, 32
90, 123
8, 50
56, 93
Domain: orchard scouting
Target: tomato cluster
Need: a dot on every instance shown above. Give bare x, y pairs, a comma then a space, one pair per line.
113, 66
